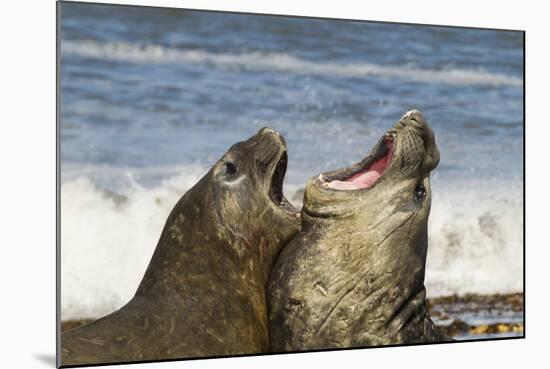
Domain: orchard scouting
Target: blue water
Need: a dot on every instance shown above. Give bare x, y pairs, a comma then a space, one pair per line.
148, 87
150, 98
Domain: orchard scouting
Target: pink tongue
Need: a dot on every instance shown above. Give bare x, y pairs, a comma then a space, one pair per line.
361, 180
364, 179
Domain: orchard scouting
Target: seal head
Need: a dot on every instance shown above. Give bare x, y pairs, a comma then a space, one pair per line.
203, 293
239, 206
400, 161
354, 275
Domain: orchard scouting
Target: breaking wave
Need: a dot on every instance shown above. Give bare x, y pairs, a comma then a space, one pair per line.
107, 238
476, 240
279, 62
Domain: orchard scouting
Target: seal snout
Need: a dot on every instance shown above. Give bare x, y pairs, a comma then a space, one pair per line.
270, 132
415, 121
414, 118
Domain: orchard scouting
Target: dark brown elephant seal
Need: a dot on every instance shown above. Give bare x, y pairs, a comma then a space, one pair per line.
354, 274
203, 293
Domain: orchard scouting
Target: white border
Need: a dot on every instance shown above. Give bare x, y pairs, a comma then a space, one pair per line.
28, 182
433, 12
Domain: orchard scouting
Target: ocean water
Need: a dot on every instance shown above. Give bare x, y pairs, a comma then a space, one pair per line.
150, 98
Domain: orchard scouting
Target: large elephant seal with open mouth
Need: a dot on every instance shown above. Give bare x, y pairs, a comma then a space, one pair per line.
203, 293
354, 274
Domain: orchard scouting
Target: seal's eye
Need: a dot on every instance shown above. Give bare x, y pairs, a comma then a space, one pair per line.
420, 192
230, 168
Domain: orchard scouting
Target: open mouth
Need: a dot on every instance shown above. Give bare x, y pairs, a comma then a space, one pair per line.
276, 189
366, 173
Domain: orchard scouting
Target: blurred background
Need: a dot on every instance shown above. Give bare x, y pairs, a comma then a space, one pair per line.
150, 98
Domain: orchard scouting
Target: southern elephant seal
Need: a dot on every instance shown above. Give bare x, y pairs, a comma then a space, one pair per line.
203, 293
354, 274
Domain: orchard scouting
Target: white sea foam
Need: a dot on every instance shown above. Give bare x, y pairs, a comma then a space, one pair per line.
475, 239
280, 62
108, 239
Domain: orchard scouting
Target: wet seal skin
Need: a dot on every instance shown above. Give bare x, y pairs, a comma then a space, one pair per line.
354, 274
203, 293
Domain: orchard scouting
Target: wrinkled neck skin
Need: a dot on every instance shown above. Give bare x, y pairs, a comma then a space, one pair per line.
378, 239
383, 251
354, 275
